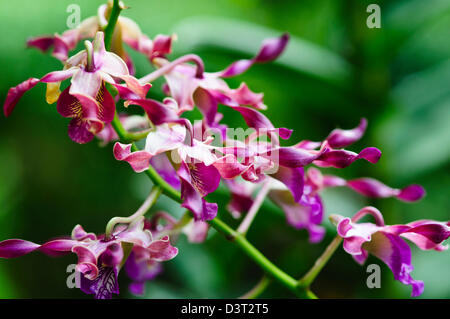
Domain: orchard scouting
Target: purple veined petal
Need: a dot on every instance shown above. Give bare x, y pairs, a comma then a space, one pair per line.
192, 199
15, 93
104, 285
293, 178
139, 160
343, 158
270, 50
165, 138
204, 178
82, 131
58, 247
339, 138
396, 253
165, 169
373, 188
229, 167
12, 248
158, 112
106, 105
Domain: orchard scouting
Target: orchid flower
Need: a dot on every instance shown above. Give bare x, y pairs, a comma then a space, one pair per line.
335, 156
197, 175
388, 244
99, 258
126, 30
86, 100
189, 85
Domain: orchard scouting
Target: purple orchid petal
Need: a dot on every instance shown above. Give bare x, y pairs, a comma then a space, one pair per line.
427, 234
411, 193
293, 178
295, 157
139, 160
192, 198
158, 113
12, 248
341, 138
241, 197
162, 250
162, 45
244, 96
229, 167
15, 93
79, 130
270, 50
373, 188
165, 169
104, 285
396, 253
305, 215
343, 158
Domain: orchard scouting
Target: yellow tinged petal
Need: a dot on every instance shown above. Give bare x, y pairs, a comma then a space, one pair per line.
53, 92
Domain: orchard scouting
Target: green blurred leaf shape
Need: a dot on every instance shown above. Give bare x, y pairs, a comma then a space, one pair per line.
301, 56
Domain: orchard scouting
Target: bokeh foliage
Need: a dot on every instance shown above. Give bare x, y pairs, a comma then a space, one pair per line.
334, 71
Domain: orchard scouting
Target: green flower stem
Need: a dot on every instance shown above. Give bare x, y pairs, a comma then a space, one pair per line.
319, 264
256, 291
109, 29
124, 135
253, 253
148, 203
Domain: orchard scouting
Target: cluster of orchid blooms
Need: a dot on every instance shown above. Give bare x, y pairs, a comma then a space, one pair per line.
195, 158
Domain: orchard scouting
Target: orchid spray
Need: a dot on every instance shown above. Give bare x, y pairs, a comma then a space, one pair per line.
186, 161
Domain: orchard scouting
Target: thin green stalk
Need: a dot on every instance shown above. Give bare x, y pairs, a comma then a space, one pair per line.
256, 291
307, 280
112, 21
148, 203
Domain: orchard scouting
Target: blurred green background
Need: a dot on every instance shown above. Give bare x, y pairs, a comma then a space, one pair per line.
334, 71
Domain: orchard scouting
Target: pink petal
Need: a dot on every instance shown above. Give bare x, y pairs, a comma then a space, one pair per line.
15, 93
139, 160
